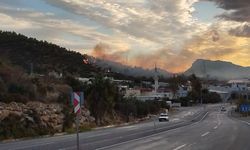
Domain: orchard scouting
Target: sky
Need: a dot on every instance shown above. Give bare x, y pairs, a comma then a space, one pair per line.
169, 33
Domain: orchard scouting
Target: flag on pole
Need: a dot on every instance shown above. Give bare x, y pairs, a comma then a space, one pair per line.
77, 100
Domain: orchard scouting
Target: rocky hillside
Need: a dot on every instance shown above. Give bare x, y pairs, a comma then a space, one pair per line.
35, 99
35, 118
35, 105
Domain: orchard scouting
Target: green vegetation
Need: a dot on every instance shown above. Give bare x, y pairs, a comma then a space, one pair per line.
196, 94
45, 57
131, 107
101, 98
14, 126
21, 56
104, 100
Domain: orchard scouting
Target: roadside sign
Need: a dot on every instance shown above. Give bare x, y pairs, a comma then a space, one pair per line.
77, 100
245, 107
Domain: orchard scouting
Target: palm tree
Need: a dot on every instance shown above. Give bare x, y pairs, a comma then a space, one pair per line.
101, 98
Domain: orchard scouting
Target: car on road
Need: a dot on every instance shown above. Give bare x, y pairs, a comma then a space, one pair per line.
223, 108
163, 117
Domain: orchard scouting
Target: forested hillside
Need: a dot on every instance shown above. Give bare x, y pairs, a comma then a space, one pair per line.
43, 56
41, 102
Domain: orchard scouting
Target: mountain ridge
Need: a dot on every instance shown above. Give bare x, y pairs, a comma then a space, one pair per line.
218, 69
45, 57
128, 70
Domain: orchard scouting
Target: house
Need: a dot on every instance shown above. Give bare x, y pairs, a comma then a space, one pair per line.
239, 85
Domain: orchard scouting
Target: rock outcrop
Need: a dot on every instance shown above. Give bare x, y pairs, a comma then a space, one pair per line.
41, 114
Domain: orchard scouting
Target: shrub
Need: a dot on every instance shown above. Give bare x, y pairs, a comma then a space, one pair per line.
68, 117
14, 127
137, 108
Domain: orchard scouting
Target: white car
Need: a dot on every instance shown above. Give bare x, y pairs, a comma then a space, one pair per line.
163, 117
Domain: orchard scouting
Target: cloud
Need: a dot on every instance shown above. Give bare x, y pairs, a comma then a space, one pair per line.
162, 22
8, 22
137, 32
238, 11
47, 26
213, 44
242, 31
239, 15
232, 4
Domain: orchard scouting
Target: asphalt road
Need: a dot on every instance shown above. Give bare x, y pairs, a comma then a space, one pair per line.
218, 131
208, 129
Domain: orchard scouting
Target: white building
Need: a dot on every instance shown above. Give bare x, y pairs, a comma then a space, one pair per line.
239, 85
182, 91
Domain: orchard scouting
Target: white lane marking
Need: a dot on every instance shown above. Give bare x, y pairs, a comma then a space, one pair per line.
180, 147
190, 145
127, 127
215, 127
141, 138
205, 134
35, 145
96, 135
218, 119
175, 119
248, 123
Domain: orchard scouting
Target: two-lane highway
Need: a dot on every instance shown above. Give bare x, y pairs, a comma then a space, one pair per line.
207, 129
216, 132
105, 137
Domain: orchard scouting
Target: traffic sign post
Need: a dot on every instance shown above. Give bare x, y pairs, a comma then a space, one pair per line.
77, 132
77, 100
245, 108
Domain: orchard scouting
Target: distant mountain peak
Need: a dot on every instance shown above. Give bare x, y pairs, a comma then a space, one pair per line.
218, 69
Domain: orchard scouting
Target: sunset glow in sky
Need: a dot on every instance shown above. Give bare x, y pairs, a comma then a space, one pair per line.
170, 33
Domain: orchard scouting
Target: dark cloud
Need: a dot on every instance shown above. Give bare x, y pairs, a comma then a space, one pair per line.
239, 15
237, 10
242, 31
240, 9
232, 4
